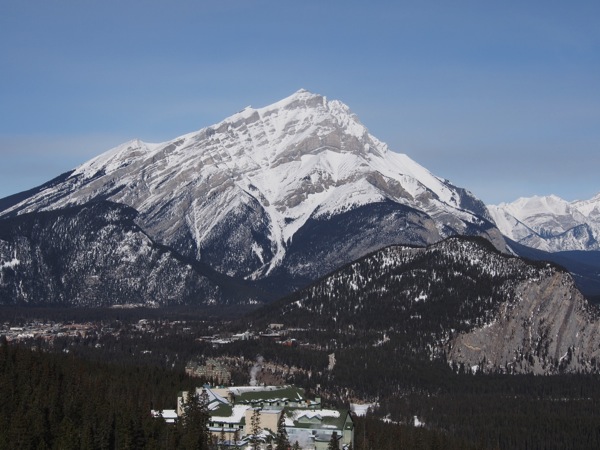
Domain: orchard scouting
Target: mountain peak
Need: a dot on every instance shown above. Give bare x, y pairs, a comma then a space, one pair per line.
283, 128
243, 194
301, 99
304, 94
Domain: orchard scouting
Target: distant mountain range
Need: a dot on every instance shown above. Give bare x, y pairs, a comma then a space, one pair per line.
252, 208
287, 200
552, 229
277, 196
550, 223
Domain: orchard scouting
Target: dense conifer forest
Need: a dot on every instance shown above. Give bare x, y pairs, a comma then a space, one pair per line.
94, 398
56, 401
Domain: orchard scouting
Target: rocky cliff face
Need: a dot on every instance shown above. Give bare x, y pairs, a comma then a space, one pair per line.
95, 255
283, 194
548, 327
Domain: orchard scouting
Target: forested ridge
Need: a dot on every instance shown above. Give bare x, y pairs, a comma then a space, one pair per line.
418, 301
459, 283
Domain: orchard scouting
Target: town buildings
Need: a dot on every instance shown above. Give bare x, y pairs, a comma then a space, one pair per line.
306, 421
211, 370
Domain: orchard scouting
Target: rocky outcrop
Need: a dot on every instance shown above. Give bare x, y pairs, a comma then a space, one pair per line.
548, 327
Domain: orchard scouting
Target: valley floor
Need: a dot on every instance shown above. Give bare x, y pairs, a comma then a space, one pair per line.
144, 358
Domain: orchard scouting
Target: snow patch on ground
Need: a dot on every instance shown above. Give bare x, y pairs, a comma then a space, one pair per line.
361, 409
9, 264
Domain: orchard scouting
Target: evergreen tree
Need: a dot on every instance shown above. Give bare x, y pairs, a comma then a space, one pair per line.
334, 443
255, 429
195, 422
236, 438
281, 441
68, 437
222, 439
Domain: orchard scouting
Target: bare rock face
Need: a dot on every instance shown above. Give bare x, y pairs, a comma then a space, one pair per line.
548, 327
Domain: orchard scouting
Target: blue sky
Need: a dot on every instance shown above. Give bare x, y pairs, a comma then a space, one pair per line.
502, 98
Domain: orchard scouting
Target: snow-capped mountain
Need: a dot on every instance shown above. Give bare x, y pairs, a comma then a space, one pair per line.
550, 223
287, 192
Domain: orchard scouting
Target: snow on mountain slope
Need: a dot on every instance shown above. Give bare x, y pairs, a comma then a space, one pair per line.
550, 223
589, 208
95, 255
236, 194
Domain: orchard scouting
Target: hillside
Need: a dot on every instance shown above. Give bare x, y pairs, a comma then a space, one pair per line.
460, 301
96, 255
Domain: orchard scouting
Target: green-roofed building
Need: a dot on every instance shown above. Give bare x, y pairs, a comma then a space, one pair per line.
313, 429
305, 420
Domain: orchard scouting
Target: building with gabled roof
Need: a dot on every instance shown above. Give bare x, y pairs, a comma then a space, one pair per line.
266, 396
313, 429
212, 369
305, 420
